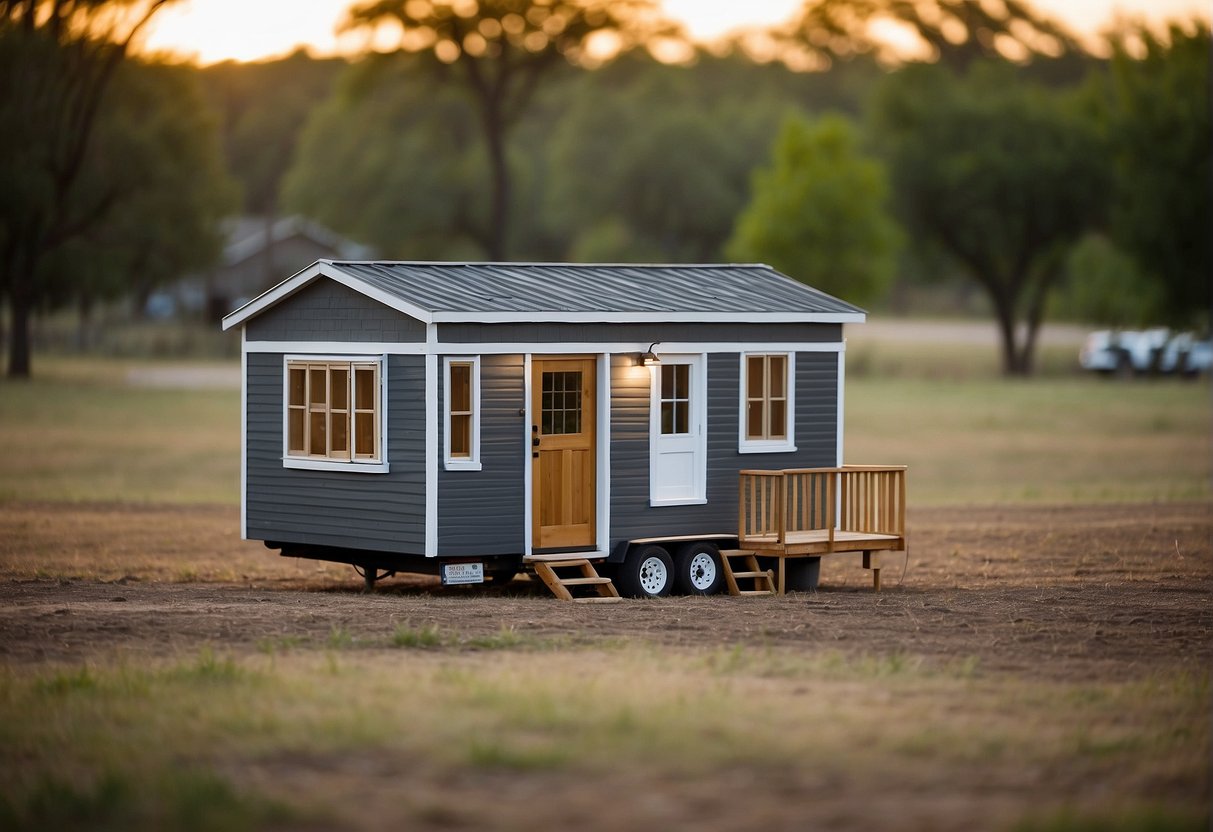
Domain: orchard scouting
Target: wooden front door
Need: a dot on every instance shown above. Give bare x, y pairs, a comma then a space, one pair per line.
563, 452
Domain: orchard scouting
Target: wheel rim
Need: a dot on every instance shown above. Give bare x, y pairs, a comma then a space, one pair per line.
653, 575
703, 571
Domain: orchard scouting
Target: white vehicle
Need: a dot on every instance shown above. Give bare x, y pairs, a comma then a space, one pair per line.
1144, 352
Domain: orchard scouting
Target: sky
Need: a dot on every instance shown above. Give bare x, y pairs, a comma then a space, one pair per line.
215, 30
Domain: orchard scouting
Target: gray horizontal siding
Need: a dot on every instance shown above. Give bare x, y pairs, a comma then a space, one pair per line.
482, 512
606, 333
631, 515
326, 310
382, 512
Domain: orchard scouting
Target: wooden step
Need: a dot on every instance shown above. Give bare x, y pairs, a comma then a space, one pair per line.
585, 581
545, 568
763, 579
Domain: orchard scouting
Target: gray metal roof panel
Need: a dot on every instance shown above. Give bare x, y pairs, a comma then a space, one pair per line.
490, 288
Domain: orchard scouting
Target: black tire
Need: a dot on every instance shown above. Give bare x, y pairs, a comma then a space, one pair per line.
647, 572
697, 569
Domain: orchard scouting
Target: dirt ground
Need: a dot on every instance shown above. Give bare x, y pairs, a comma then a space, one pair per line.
1072, 594
1060, 592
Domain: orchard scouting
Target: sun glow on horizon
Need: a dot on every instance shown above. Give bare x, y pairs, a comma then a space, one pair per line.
211, 31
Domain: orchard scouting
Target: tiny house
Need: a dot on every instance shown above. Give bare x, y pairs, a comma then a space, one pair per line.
456, 418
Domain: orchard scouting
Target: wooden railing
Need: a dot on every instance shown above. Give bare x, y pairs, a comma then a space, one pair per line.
868, 499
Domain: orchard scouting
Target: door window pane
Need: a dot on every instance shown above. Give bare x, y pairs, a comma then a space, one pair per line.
561, 403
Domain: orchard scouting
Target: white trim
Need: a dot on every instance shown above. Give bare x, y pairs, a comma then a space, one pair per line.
339, 350
326, 268
472, 462
766, 446
334, 465
698, 425
322, 268
431, 455
350, 466
244, 437
602, 435
626, 317
841, 388
527, 449
625, 347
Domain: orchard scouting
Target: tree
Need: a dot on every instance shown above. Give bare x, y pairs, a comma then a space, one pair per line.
656, 168
818, 212
408, 180
499, 51
1001, 176
57, 58
156, 147
955, 32
1158, 120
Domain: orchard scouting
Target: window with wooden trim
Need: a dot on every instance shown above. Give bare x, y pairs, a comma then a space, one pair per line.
766, 402
462, 434
333, 411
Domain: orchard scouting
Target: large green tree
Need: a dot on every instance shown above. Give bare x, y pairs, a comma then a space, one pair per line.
818, 212
57, 59
1159, 127
499, 52
999, 175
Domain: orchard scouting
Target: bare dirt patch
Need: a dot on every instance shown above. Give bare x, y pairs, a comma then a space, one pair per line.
1066, 592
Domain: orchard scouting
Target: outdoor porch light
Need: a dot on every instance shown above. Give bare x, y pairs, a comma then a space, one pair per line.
648, 358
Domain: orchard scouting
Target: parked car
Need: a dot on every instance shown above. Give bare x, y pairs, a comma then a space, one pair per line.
1151, 351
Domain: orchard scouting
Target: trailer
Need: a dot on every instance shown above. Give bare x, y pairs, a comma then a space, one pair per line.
472, 420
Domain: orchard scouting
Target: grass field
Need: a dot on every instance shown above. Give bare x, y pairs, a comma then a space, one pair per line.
1033, 674
78, 432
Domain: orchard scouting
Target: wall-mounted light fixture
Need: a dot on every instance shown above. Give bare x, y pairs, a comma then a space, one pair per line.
648, 358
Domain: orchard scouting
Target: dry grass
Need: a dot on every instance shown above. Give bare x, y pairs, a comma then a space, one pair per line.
794, 722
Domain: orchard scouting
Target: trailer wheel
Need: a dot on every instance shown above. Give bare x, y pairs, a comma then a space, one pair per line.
647, 572
697, 569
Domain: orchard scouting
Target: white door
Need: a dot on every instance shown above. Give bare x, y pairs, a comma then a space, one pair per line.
678, 431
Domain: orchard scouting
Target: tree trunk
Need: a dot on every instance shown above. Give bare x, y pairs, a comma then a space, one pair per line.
1004, 312
499, 205
18, 335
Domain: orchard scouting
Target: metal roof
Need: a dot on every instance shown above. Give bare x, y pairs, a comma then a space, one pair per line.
497, 292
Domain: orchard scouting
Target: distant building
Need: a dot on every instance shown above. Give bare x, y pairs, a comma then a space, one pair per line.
256, 254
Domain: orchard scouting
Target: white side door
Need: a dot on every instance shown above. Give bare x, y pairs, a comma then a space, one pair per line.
678, 431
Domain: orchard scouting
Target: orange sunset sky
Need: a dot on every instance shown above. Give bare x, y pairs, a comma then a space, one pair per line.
216, 30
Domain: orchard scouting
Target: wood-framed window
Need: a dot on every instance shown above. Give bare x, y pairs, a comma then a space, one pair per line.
334, 413
461, 437
767, 403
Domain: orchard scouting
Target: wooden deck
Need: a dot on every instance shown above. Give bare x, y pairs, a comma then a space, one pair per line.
812, 512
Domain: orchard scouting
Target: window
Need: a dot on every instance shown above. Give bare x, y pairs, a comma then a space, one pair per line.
462, 434
675, 399
333, 414
767, 403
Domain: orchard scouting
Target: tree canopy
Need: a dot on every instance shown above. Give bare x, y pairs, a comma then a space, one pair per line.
1158, 124
499, 51
57, 59
818, 212
1001, 176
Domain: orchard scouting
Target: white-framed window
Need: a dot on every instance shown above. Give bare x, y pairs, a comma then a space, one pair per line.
333, 414
678, 431
767, 416
461, 434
